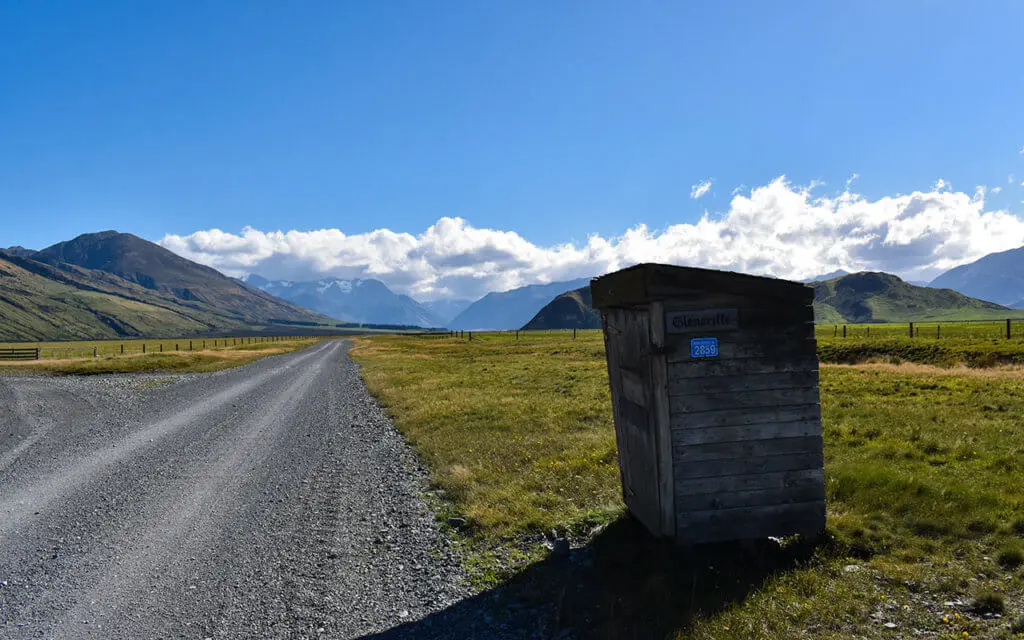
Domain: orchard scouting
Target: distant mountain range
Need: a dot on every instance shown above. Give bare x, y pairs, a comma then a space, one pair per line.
362, 300
111, 285
998, 277
446, 310
853, 298
511, 309
838, 273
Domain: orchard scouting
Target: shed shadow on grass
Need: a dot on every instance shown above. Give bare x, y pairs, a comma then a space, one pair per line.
624, 584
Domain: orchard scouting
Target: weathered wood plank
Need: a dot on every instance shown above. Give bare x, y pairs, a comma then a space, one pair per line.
781, 348
752, 482
633, 387
715, 367
710, 300
750, 523
708, 435
739, 383
743, 399
734, 417
649, 282
769, 337
746, 466
635, 436
662, 420
685, 454
667, 281
747, 318
810, 492
612, 321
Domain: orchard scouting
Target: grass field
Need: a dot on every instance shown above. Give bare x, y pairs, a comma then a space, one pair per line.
976, 344
923, 469
138, 356
988, 330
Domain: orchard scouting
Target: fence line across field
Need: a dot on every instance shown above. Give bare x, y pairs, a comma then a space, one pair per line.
114, 348
19, 354
1006, 329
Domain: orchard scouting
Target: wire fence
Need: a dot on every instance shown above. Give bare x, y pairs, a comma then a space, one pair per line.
510, 334
113, 348
1008, 329
973, 330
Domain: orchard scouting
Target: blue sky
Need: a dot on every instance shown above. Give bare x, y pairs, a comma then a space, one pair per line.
552, 120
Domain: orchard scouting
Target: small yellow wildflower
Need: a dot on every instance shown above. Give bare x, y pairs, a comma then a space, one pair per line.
967, 635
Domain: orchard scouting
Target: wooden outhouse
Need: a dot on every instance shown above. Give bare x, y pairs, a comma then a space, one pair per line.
714, 381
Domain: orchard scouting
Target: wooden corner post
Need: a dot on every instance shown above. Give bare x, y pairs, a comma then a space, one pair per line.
662, 420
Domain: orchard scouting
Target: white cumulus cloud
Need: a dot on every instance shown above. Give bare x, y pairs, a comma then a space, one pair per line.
701, 188
777, 229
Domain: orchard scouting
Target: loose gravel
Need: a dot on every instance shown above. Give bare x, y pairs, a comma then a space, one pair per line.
275, 500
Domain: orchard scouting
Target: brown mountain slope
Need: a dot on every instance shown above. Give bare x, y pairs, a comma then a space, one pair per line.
63, 301
151, 266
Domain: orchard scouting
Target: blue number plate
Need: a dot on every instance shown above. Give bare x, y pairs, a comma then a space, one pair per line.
704, 347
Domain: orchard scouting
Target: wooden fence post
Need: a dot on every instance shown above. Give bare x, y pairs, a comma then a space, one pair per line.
143, 347
1007, 328
911, 329
835, 331
938, 331
94, 352
161, 347
122, 348
844, 330
189, 345
574, 333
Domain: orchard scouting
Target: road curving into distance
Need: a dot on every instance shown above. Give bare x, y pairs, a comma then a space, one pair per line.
270, 501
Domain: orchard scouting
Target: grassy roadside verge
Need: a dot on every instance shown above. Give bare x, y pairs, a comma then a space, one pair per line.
922, 466
198, 361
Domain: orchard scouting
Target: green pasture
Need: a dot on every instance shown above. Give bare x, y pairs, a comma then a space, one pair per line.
923, 469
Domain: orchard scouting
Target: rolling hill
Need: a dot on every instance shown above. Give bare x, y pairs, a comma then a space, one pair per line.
998, 277
112, 285
881, 297
853, 298
511, 309
362, 300
570, 310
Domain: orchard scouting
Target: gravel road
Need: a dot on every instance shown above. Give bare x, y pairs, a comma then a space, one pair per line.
274, 500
